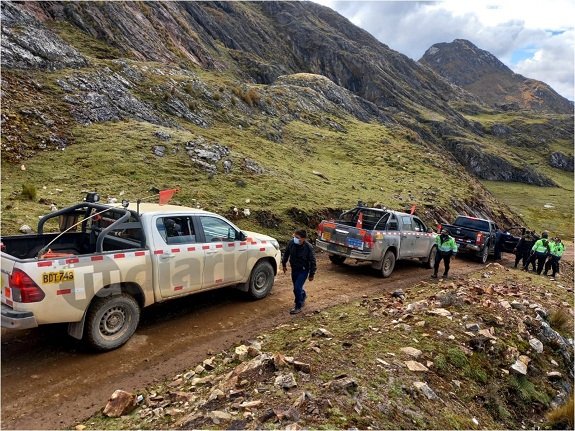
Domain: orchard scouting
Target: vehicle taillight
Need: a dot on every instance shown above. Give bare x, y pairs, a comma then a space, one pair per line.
479, 239
23, 288
368, 240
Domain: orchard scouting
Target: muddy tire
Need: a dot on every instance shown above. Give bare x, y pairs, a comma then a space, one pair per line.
388, 264
430, 262
336, 259
111, 321
261, 280
484, 254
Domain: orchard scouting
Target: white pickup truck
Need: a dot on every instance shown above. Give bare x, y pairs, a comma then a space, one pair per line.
98, 275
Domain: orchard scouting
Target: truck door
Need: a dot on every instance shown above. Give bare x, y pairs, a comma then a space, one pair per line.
407, 237
178, 257
422, 239
226, 255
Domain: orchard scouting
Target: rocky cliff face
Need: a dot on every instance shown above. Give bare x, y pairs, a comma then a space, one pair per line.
482, 74
263, 69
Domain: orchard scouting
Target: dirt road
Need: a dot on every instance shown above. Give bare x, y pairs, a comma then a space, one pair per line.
50, 381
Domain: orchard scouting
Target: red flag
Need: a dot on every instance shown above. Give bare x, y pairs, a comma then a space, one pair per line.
412, 209
166, 195
359, 223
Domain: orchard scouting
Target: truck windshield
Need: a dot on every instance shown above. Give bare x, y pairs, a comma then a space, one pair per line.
472, 223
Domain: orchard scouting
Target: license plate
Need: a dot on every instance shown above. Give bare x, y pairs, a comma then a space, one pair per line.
326, 236
355, 243
57, 277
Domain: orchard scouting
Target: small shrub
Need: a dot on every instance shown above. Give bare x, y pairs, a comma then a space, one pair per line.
251, 97
476, 373
29, 191
457, 357
440, 362
559, 320
562, 416
527, 391
216, 96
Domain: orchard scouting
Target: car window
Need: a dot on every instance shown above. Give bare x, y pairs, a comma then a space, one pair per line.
392, 224
418, 225
472, 223
217, 230
176, 229
406, 223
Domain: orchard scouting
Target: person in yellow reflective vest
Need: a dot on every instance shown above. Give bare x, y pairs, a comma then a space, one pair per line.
446, 248
541, 249
557, 249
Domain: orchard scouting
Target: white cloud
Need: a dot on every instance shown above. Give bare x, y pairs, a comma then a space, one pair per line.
504, 28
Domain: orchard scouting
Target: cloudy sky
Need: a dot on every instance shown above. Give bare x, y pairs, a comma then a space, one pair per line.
535, 38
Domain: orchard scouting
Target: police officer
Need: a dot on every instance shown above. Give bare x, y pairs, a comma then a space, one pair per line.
540, 250
557, 249
446, 248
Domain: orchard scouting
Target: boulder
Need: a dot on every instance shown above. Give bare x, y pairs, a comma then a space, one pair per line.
415, 366
120, 403
411, 351
321, 332
241, 352
425, 390
285, 381
536, 345
25, 229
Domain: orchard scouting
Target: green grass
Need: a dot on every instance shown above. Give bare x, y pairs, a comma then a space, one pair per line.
368, 163
528, 201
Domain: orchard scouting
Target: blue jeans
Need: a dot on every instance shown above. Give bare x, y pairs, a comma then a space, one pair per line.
298, 278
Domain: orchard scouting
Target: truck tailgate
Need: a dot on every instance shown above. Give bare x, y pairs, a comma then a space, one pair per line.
7, 266
462, 233
347, 236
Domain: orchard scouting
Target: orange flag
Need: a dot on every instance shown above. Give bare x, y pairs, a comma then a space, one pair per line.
412, 209
359, 223
166, 195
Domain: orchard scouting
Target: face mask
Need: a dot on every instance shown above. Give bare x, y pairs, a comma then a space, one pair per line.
296, 241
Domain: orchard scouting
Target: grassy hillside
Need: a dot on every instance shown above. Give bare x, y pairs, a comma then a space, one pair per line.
116, 158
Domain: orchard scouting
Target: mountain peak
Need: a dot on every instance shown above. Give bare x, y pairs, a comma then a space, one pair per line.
484, 75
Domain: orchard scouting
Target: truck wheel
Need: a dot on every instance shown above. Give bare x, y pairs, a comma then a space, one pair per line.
338, 260
430, 263
111, 321
484, 254
388, 264
261, 280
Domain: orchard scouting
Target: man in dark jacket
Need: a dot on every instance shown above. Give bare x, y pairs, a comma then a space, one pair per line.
523, 248
303, 266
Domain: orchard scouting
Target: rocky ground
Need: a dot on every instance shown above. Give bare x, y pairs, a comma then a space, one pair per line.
492, 349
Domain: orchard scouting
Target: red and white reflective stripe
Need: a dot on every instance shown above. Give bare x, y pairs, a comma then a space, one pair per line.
205, 247
263, 241
178, 288
219, 280
96, 258
63, 291
158, 251
45, 263
119, 255
191, 248
219, 246
262, 249
243, 243
175, 250
231, 244
9, 302
72, 260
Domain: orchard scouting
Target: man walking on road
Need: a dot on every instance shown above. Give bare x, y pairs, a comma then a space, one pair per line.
446, 248
303, 266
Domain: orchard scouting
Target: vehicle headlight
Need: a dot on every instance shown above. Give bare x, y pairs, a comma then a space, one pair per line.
275, 244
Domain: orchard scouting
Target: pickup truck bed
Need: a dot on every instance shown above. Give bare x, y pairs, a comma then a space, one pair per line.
473, 236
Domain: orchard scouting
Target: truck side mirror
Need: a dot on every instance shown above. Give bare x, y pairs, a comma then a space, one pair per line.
241, 236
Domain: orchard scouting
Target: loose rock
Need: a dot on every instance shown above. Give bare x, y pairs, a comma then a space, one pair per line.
120, 403
425, 390
322, 332
285, 381
411, 351
415, 366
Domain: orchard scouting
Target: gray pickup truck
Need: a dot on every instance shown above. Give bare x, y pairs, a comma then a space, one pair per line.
379, 236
